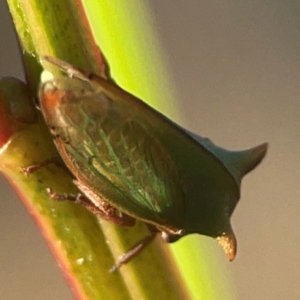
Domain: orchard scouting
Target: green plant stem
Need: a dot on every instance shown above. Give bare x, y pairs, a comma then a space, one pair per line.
59, 28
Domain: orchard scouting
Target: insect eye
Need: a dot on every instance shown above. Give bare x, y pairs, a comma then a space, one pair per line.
91, 76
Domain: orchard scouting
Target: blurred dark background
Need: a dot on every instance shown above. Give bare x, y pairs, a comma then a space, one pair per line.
236, 67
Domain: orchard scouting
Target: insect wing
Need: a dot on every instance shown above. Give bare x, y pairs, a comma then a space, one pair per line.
111, 153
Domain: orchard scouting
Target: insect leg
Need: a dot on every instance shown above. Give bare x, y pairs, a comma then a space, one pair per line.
105, 211
33, 168
135, 250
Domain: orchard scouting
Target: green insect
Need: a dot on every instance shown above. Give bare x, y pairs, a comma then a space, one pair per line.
131, 162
